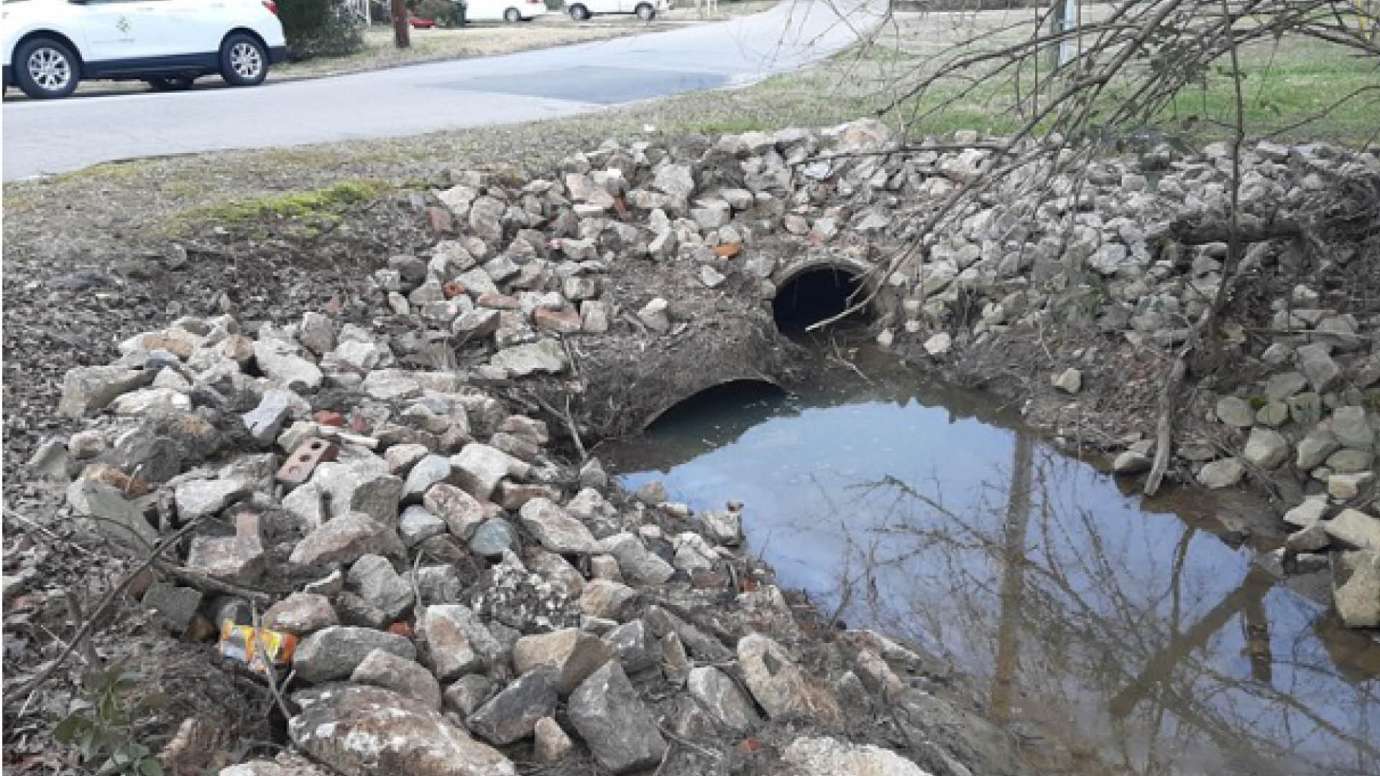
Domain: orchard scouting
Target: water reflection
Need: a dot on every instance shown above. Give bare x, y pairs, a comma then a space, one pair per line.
1152, 640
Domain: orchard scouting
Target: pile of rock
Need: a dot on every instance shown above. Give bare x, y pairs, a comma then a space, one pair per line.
454, 579
461, 595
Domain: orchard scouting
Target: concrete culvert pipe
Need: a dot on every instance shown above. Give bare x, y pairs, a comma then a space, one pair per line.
815, 294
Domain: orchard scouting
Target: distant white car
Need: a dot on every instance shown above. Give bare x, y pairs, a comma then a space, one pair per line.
50, 45
511, 11
646, 10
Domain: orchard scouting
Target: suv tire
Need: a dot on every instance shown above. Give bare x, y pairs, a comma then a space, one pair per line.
46, 69
243, 60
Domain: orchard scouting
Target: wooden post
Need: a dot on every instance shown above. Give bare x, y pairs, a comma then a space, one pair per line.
401, 38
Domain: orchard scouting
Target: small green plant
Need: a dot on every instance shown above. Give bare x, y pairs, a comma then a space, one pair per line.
100, 726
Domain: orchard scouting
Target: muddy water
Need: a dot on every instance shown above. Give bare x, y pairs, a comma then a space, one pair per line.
1142, 634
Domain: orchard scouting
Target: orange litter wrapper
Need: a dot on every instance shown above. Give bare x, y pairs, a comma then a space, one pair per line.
256, 647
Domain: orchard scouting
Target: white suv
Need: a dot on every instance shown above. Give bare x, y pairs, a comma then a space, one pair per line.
646, 10
49, 45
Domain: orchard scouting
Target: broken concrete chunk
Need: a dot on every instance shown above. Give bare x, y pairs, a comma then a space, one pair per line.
344, 540
1356, 588
722, 698
1355, 529
381, 668
637, 563
376, 581
572, 653
279, 361
780, 686
335, 652
89, 388
556, 529
831, 757
479, 467
301, 613
359, 730
609, 715
512, 714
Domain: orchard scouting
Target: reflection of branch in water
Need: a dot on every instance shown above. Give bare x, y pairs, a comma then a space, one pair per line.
1013, 564
1161, 666
1119, 627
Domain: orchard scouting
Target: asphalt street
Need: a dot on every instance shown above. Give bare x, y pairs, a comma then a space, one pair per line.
46, 137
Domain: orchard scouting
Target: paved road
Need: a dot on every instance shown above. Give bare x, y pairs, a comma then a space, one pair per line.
51, 137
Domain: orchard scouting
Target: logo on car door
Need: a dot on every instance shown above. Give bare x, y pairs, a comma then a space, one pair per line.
123, 25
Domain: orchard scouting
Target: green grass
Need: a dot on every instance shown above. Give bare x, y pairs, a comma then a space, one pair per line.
325, 203
1284, 84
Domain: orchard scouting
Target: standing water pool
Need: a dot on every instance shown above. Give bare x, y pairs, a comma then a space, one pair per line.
1139, 630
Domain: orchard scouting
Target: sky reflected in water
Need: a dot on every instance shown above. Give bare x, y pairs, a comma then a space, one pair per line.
1140, 633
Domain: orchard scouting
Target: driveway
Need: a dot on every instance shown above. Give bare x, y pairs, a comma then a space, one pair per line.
52, 137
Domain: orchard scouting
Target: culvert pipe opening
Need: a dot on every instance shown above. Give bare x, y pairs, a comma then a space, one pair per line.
817, 295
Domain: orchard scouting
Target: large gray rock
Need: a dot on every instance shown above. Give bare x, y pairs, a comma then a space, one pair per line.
405, 677
1307, 513
1354, 528
360, 730
301, 613
722, 698
1235, 411
1221, 474
1266, 448
364, 486
1356, 588
457, 642
1314, 448
201, 498
461, 512
607, 599
544, 356
376, 581
118, 517
1317, 366
555, 529
416, 525
345, 540
831, 757
637, 563
573, 654
479, 467
430, 470
512, 714
780, 686
1350, 426
629, 642
279, 361
89, 388
335, 652
468, 693
551, 744
609, 715
264, 421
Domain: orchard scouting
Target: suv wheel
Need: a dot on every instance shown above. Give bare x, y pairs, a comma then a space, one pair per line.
46, 69
512, 16
243, 61
578, 12
646, 12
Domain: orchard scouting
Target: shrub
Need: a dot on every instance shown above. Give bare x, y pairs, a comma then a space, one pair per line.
316, 28
443, 12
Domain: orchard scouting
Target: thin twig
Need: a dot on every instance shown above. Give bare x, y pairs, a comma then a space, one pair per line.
96, 613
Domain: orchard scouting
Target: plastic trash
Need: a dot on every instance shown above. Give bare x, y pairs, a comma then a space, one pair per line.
256, 647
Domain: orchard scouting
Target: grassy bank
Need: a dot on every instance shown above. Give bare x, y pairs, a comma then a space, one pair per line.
160, 199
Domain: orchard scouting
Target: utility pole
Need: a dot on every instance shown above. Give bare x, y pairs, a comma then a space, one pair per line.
401, 38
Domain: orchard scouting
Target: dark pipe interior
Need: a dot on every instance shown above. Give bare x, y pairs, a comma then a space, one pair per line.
813, 296
748, 395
